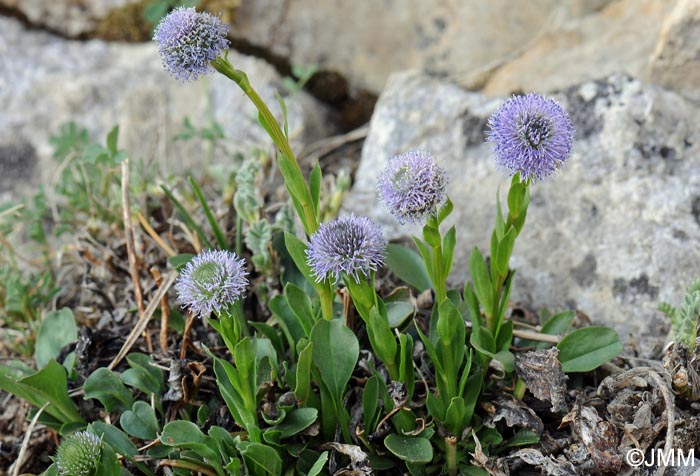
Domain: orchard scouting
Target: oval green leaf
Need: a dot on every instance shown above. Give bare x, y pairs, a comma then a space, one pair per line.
585, 349
411, 449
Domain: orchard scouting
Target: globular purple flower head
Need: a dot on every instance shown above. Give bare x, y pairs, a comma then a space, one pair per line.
533, 136
351, 245
211, 281
188, 41
412, 186
78, 454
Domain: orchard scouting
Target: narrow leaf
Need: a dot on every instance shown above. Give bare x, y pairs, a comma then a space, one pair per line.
482, 281
218, 233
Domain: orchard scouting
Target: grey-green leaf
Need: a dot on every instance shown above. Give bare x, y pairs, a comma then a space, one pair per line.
56, 330
335, 353
411, 449
585, 349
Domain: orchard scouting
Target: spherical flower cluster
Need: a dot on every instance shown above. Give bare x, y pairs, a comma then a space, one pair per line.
412, 186
188, 41
348, 245
78, 454
211, 281
533, 136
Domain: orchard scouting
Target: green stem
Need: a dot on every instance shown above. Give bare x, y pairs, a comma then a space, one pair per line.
223, 66
239, 235
451, 455
437, 265
326, 297
519, 390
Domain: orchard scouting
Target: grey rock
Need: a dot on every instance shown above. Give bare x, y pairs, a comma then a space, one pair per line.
365, 41
617, 231
46, 81
69, 17
620, 37
676, 60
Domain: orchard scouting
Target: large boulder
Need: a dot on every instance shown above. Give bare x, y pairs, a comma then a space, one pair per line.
614, 233
617, 38
46, 81
71, 18
676, 60
367, 41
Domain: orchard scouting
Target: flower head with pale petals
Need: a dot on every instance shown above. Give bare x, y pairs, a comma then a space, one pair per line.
533, 136
188, 41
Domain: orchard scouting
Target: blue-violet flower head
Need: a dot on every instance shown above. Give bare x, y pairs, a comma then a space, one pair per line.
412, 186
188, 41
78, 454
533, 136
351, 245
211, 281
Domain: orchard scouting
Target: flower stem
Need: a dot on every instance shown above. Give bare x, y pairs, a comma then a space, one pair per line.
326, 297
451, 455
308, 218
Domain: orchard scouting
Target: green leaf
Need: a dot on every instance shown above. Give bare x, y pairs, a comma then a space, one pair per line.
300, 305
279, 306
445, 211
585, 349
140, 421
179, 261
302, 388
116, 438
108, 464
411, 449
143, 375
335, 353
482, 281
261, 460
500, 228
370, 403
185, 434
555, 325
408, 266
57, 329
455, 416
315, 186
406, 371
448, 251
112, 139
218, 233
399, 312
296, 421
105, 386
283, 107
318, 465
179, 432
522, 438
516, 196
505, 249
431, 236
382, 340
47, 385
187, 218
297, 251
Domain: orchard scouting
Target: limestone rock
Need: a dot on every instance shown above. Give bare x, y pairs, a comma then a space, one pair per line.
613, 234
366, 41
46, 82
69, 17
618, 38
676, 60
